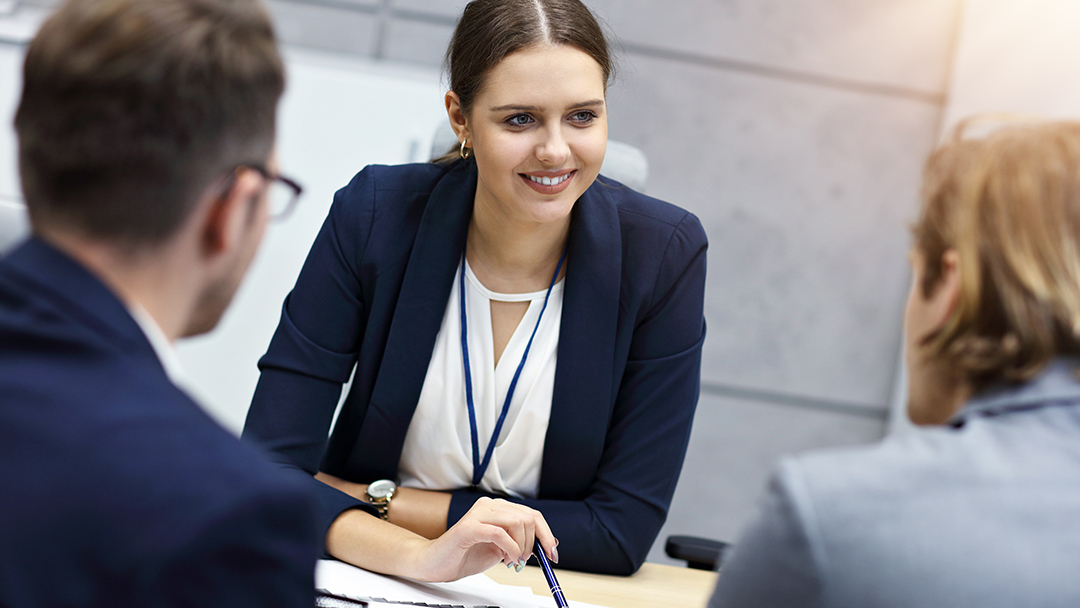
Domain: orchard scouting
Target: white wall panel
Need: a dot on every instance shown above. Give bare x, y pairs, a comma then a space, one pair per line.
445, 8
417, 41
11, 58
325, 27
1017, 56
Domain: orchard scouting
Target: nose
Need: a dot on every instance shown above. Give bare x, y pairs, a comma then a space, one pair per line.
553, 149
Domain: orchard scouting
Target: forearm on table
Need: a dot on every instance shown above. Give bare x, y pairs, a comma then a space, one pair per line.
420, 511
364, 540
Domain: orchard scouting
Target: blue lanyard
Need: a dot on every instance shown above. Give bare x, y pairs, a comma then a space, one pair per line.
480, 467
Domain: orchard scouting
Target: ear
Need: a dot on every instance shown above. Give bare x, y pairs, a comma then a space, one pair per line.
229, 213
947, 291
458, 121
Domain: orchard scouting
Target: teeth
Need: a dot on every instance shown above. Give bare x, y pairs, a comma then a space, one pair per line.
550, 181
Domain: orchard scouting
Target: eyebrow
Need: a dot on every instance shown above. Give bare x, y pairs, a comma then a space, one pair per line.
518, 108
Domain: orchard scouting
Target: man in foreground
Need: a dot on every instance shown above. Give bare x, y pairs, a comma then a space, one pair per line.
978, 508
146, 133
145, 137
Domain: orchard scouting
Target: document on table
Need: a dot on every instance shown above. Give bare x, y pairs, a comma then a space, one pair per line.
471, 592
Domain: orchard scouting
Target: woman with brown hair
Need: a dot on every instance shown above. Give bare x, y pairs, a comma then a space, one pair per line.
519, 326
979, 507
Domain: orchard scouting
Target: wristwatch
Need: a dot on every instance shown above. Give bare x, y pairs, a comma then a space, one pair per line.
379, 494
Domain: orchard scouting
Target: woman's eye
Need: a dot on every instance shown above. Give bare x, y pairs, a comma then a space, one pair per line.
584, 116
519, 120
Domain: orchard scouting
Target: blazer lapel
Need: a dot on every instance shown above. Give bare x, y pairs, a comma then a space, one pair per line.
421, 304
584, 383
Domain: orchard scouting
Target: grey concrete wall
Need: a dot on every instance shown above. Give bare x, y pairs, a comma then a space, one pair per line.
796, 131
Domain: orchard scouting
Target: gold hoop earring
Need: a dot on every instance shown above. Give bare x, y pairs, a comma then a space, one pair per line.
464, 152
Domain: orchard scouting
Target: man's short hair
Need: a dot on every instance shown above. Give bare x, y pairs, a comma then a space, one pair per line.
131, 108
1009, 204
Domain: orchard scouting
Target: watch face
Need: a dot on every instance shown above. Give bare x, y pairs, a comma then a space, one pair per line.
381, 488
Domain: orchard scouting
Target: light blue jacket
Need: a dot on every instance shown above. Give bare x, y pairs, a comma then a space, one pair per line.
984, 512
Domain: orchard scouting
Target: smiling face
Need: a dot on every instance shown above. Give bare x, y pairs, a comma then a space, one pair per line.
538, 130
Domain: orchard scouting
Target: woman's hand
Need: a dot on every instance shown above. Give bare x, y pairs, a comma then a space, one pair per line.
493, 530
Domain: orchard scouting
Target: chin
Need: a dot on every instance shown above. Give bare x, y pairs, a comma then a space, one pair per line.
211, 306
555, 216
554, 210
202, 323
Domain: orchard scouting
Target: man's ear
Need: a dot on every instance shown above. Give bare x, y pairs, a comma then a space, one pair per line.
458, 121
229, 213
947, 291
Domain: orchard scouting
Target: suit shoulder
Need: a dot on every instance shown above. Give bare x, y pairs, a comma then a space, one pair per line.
391, 194
882, 473
640, 211
413, 177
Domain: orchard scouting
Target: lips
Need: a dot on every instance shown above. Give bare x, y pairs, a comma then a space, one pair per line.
552, 182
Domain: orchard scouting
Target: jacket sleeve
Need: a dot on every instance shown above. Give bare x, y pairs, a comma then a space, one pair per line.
314, 349
613, 527
773, 563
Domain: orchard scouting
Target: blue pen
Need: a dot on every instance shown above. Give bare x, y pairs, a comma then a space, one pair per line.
549, 574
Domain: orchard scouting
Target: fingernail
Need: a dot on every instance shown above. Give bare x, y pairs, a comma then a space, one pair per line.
519, 567
509, 565
555, 553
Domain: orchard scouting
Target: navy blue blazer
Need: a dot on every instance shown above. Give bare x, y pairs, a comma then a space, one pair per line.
115, 488
373, 292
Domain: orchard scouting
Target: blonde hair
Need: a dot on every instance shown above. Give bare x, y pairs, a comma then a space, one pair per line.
1009, 205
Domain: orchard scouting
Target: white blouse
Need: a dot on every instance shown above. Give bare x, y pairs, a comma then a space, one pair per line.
437, 454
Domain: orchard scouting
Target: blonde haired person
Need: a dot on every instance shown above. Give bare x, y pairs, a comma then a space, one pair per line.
979, 507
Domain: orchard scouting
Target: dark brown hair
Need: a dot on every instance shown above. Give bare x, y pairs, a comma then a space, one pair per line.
490, 30
1009, 205
130, 109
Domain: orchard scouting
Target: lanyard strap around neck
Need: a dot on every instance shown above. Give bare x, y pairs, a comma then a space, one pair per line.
480, 466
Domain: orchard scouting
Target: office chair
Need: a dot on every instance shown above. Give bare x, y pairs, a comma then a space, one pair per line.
14, 224
699, 553
623, 163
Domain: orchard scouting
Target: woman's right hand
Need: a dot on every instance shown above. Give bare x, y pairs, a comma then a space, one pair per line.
493, 530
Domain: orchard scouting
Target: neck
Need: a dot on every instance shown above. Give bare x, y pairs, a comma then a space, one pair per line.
153, 279
934, 395
514, 257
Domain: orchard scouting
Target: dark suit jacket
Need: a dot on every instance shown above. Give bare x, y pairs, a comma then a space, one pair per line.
115, 488
373, 293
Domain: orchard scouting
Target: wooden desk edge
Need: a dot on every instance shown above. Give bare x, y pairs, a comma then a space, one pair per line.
653, 586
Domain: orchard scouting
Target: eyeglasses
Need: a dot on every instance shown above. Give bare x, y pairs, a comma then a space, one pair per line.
283, 194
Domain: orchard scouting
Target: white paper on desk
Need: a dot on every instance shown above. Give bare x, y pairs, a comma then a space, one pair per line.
477, 590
